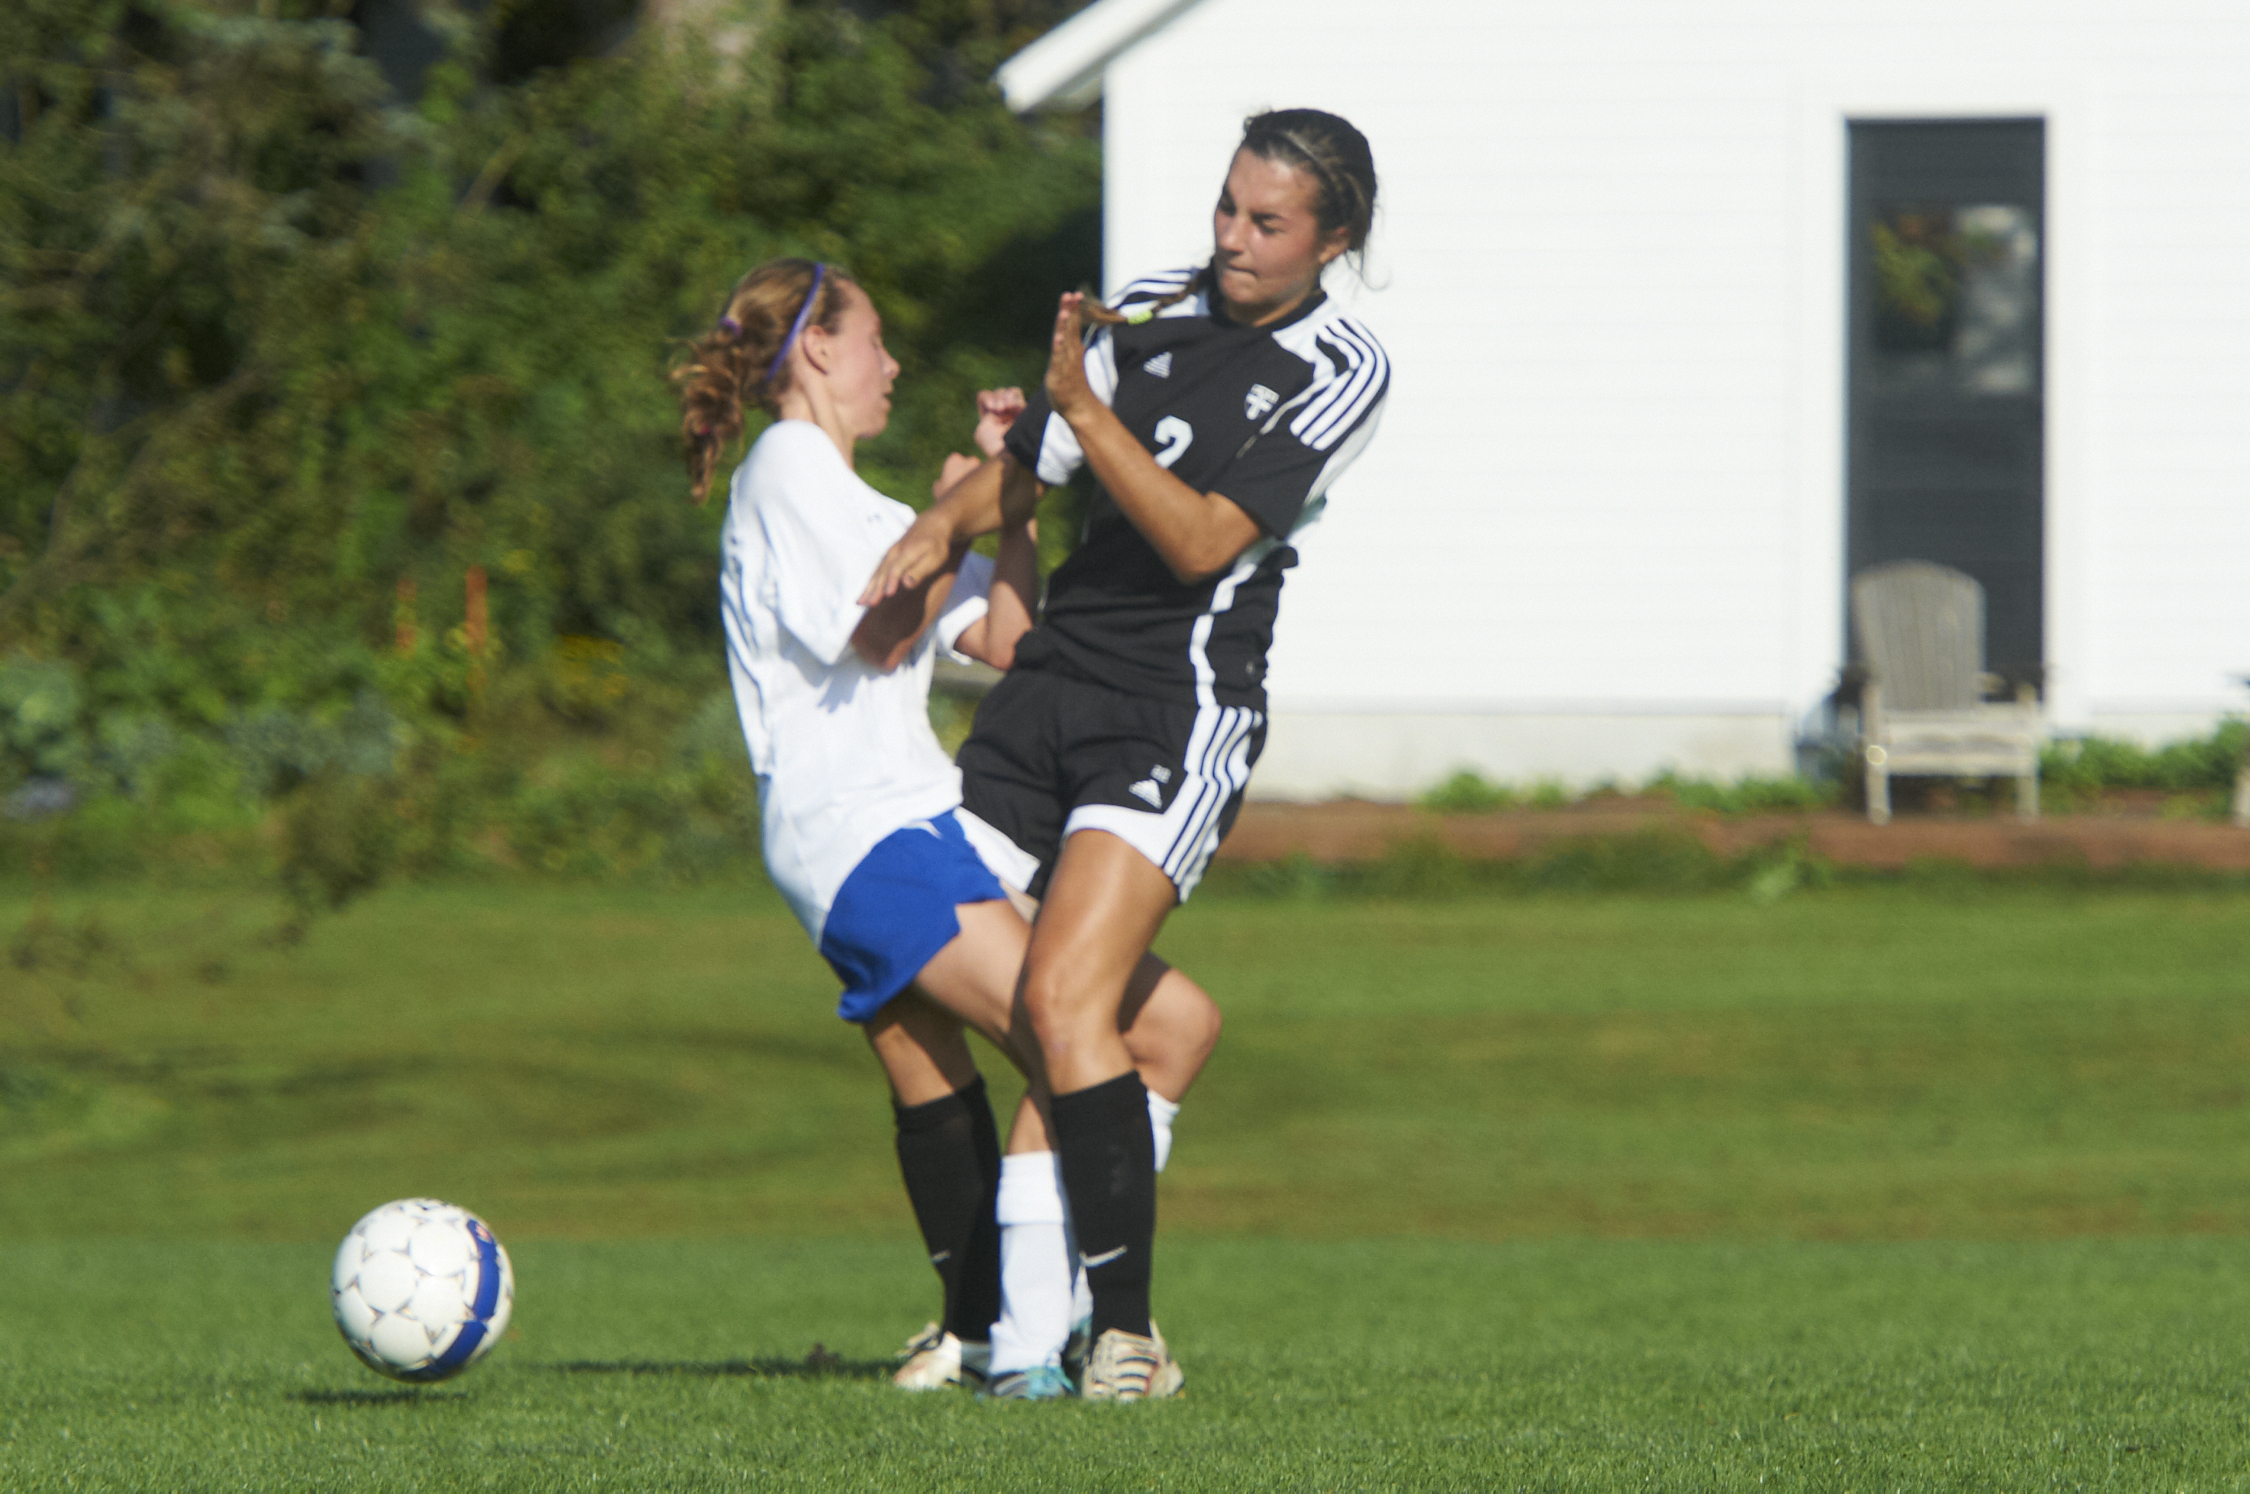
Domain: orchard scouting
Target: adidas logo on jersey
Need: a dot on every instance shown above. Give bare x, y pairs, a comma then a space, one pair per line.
1259, 400
1160, 366
1147, 789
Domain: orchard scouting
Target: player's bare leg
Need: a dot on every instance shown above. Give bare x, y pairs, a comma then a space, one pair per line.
1169, 1027
1104, 906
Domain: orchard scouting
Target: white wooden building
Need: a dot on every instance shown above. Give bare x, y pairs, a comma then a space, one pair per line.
1673, 356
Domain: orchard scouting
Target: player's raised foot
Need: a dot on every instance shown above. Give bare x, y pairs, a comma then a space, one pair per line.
934, 1359
1042, 1382
1127, 1367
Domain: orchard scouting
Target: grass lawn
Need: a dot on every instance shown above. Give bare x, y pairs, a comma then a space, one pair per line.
1871, 1187
1411, 1364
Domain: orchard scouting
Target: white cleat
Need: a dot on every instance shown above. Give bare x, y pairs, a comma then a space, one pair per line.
934, 1359
1127, 1367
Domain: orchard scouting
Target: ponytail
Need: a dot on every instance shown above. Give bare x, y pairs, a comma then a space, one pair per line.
1100, 313
743, 360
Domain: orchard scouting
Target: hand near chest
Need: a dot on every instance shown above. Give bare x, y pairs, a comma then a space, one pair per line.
1197, 534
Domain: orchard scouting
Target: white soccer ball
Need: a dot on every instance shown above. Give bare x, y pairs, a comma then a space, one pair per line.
421, 1290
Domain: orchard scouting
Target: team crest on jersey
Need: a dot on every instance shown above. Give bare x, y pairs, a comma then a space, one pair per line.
1259, 400
1160, 365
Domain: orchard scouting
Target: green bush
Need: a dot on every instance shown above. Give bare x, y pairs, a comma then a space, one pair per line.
1468, 792
1748, 795
40, 728
2083, 766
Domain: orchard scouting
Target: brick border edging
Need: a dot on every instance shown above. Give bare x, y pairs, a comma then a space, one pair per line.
1354, 832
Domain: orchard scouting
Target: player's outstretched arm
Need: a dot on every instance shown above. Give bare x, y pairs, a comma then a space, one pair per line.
1197, 534
885, 636
971, 507
1012, 603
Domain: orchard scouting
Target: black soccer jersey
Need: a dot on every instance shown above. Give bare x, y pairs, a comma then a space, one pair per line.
1267, 416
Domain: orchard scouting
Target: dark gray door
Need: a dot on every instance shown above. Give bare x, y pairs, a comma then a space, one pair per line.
1947, 405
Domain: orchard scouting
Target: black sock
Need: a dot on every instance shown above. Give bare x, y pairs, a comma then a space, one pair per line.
976, 1302
1108, 1156
949, 1154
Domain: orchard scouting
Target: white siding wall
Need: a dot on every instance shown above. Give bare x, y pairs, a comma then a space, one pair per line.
2170, 377
1609, 269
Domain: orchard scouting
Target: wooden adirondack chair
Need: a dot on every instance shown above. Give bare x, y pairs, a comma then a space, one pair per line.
1923, 711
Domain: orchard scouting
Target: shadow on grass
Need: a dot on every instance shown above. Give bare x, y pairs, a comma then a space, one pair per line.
404, 1396
820, 1364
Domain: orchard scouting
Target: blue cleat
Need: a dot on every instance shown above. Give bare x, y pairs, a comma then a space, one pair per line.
1042, 1382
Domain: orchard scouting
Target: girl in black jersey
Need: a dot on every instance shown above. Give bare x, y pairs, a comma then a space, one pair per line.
1215, 407
904, 894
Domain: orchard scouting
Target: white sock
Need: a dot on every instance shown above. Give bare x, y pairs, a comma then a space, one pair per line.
1037, 1265
1081, 1295
1161, 1114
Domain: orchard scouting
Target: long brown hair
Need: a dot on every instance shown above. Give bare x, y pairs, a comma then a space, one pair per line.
1324, 147
739, 362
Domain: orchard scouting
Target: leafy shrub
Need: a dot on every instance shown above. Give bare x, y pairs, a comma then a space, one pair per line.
341, 838
1469, 792
1748, 795
1650, 861
2083, 766
40, 732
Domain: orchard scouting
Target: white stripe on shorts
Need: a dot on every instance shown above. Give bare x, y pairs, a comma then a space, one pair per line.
1181, 839
1011, 863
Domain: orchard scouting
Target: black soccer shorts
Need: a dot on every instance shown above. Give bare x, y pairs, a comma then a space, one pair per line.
1053, 754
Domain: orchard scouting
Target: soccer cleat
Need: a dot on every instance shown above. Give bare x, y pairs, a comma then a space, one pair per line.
1127, 1367
934, 1358
1042, 1382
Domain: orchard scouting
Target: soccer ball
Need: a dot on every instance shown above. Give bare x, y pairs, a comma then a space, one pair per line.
421, 1290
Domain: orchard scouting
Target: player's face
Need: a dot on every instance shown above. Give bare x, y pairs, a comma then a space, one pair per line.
859, 368
1267, 245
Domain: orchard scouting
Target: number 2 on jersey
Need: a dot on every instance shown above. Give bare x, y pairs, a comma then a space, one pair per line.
1173, 437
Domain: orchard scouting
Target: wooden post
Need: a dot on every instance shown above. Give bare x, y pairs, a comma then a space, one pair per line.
2242, 788
477, 616
476, 627
1878, 756
2242, 775
409, 634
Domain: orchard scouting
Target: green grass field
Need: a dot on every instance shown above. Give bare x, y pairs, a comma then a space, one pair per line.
1939, 1186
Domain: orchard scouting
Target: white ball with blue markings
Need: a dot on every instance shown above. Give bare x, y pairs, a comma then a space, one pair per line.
421, 1290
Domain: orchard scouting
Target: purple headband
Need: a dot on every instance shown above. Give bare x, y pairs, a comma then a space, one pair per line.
731, 327
798, 325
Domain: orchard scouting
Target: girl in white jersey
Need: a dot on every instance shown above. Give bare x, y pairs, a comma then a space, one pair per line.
1215, 405
903, 891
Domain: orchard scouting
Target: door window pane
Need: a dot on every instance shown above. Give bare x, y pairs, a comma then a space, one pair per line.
1956, 299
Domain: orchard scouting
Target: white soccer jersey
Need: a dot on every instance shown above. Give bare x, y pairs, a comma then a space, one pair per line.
844, 752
